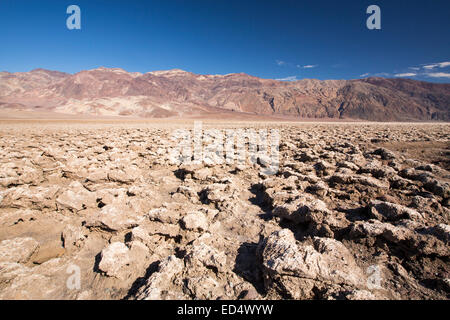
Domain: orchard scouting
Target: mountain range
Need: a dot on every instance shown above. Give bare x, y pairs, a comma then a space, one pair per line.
181, 94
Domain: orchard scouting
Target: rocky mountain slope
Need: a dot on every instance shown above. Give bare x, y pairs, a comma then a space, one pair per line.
177, 93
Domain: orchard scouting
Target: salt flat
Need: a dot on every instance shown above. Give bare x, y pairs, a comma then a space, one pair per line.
354, 211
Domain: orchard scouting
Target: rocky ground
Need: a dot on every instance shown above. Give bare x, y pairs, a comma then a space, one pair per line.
356, 211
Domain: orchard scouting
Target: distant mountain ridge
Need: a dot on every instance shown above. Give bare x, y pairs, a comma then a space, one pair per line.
178, 93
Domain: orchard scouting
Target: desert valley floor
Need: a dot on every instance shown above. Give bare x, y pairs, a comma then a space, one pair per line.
355, 211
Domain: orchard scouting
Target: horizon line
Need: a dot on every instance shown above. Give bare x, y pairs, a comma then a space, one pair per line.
223, 75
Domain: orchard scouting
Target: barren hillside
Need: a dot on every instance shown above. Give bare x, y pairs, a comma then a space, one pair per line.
177, 93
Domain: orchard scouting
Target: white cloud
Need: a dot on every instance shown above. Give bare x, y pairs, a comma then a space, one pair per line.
438, 75
437, 65
401, 75
308, 66
364, 75
282, 63
291, 78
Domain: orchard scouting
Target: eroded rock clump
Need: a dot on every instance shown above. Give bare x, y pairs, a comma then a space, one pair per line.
355, 211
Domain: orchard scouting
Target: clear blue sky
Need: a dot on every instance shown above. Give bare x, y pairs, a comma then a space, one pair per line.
268, 39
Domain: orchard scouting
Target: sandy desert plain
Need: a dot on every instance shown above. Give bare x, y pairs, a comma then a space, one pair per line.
95, 210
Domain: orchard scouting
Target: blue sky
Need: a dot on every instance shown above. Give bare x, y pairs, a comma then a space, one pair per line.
270, 39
